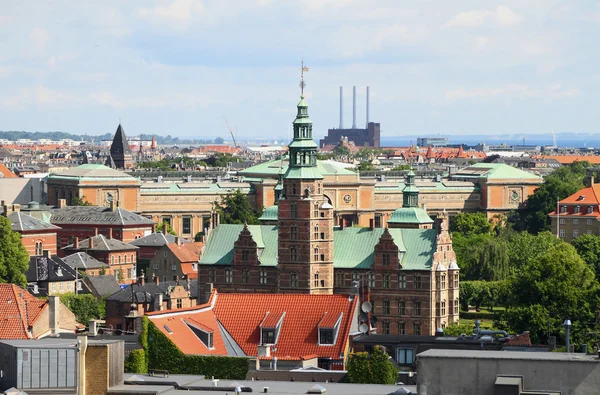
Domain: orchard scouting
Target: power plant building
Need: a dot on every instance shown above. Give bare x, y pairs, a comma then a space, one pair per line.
362, 137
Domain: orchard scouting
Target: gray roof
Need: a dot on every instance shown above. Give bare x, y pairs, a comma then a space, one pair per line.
119, 145
22, 222
156, 239
48, 269
522, 355
145, 293
81, 260
101, 243
90, 215
102, 285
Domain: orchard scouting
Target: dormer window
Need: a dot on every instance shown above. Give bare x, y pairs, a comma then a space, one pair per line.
270, 327
563, 209
203, 333
577, 209
590, 209
329, 327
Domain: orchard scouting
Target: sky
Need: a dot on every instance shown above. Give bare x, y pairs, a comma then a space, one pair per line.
179, 67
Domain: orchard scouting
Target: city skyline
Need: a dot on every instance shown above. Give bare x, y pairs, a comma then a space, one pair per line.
179, 67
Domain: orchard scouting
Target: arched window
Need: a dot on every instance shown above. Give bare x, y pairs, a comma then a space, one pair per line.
316, 279
119, 259
132, 258
316, 232
39, 248
112, 260
316, 253
125, 258
293, 254
294, 280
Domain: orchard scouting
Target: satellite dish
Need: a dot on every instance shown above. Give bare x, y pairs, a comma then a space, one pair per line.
366, 307
364, 328
363, 317
373, 320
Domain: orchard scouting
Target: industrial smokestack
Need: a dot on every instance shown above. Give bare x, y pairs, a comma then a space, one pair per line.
354, 107
341, 107
367, 125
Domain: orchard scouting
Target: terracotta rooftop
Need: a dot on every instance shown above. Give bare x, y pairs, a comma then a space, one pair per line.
188, 252
242, 314
5, 172
18, 310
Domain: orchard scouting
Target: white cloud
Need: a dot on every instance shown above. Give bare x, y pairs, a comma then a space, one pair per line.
178, 15
555, 91
502, 16
39, 39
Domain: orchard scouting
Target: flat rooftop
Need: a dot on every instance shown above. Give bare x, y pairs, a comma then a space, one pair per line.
521, 355
159, 385
53, 342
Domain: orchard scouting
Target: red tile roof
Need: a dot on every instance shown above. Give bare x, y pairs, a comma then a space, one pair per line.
566, 159
241, 315
186, 252
188, 270
328, 320
6, 173
586, 197
18, 310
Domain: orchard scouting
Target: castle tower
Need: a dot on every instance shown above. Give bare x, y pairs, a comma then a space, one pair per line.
305, 217
410, 192
119, 150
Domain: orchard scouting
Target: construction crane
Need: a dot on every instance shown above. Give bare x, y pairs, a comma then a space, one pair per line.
231, 131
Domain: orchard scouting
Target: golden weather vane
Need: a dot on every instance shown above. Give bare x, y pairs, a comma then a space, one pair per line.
303, 68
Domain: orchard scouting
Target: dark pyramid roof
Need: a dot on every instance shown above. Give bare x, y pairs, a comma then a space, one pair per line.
120, 145
110, 162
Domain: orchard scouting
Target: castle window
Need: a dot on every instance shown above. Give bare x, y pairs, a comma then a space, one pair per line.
39, 248
316, 279
319, 188
339, 279
294, 232
211, 276
293, 254
386, 307
322, 257
125, 258
401, 308
456, 305
263, 276
402, 281
316, 210
132, 258
293, 188
245, 276
245, 255
179, 303
385, 327
316, 232
401, 328
417, 309
294, 280
443, 281
443, 308
456, 278
112, 260
418, 283
293, 210
355, 276
228, 275
323, 235
386, 258
316, 254
386, 280
417, 329
371, 279
119, 259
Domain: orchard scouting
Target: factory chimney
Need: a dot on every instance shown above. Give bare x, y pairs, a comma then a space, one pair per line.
367, 125
341, 107
354, 107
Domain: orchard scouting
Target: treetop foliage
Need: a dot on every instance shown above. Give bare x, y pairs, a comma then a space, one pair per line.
14, 259
235, 208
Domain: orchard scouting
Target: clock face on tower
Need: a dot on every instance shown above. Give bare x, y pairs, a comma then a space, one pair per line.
347, 198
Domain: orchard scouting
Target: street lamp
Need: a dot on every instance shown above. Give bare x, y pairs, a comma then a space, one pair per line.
567, 325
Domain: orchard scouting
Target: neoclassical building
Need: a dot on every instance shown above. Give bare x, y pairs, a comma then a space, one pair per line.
407, 270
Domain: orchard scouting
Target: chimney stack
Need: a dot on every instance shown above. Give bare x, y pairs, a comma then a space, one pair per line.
367, 125
62, 203
95, 231
155, 278
354, 107
371, 224
76, 242
16, 208
113, 205
110, 236
165, 228
341, 107
53, 314
91, 246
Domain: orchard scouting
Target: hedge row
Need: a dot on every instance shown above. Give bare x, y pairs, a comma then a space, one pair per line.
481, 315
163, 354
136, 362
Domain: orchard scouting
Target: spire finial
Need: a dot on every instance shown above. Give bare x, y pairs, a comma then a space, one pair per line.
303, 68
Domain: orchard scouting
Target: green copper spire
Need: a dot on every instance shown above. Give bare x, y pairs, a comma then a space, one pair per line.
410, 193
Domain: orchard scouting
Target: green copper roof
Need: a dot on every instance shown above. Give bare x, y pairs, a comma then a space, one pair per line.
270, 169
493, 171
353, 247
308, 173
303, 144
270, 214
410, 215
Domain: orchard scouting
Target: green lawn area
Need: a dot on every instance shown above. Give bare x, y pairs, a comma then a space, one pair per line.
485, 323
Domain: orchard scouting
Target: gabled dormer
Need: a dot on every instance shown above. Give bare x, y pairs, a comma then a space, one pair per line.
202, 332
245, 249
329, 328
387, 253
270, 328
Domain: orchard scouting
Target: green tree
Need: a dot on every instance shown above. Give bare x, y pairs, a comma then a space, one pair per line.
84, 306
166, 225
373, 368
235, 209
555, 285
458, 329
471, 224
365, 166
14, 259
77, 201
588, 248
340, 150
